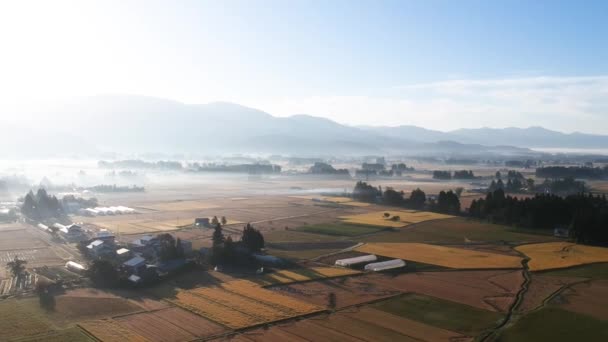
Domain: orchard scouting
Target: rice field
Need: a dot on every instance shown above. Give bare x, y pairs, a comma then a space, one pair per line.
304, 274
241, 304
551, 255
406, 217
110, 331
450, 257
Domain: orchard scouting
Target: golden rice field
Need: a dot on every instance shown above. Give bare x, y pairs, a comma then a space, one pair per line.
262, 312
219, 313
109, 331
241, 303
551, 255
442, 256
305, 274
288, 304
407, 217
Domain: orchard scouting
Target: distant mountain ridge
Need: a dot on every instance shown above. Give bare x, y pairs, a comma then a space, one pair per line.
125, 124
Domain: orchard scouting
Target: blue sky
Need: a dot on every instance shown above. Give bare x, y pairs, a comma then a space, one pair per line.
437, 64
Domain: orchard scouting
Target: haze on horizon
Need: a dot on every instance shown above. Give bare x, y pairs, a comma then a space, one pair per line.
437, 64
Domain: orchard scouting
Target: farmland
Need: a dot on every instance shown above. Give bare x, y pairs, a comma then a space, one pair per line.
552, 255
406, 217
458, 258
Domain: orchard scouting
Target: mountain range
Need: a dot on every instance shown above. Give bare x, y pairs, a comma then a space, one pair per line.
125, 124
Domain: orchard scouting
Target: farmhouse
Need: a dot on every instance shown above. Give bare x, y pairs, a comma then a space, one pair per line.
202, 222
561, 232
73, 232
135, 265
99, 248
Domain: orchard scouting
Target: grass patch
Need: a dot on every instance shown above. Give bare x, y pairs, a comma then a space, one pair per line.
68, 335
460, 230
340, 229
22, 318
440, 313
553, 324
296, 236
592, 271
304, 254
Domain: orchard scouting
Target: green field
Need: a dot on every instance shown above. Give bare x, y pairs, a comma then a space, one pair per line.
592, 271
553, 324
296, 236
304, 254
340, 229
460, 230
441, 313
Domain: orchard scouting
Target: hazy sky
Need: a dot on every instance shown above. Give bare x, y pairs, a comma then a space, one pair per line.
437, 64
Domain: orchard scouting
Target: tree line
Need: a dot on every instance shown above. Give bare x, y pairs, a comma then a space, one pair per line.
585, 215
447, 201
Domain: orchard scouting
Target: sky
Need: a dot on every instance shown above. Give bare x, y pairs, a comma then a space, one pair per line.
437, 64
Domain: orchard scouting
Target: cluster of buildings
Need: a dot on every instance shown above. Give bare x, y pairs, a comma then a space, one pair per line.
138, 258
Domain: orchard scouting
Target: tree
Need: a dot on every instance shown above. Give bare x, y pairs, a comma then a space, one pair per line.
332, 300
214, 220
54, 230
167, 249
218, 236
16, 267
498, 175
417, 199
387, 215
224, 221
252, 238
392, 197
103, 273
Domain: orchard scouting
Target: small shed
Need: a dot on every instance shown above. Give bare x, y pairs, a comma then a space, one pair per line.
202, 222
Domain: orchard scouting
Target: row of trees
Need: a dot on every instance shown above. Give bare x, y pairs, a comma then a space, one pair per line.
585, 214
447, 201
227, 252
572, 171
41, 206
459, 174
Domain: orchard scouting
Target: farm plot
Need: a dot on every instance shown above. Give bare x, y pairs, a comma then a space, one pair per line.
304, 274
555, 324
110, 330
340, 229
487, 290
172, 324
442, 256
335, 199
285, 303
139, 226
67, 335
19, 239
214, 311
366, 324
347, 291
33, 257
69, 308
440, 313
588, 298
406, 217
21, 318
540, 288
458, 230
552, 255
180, 206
